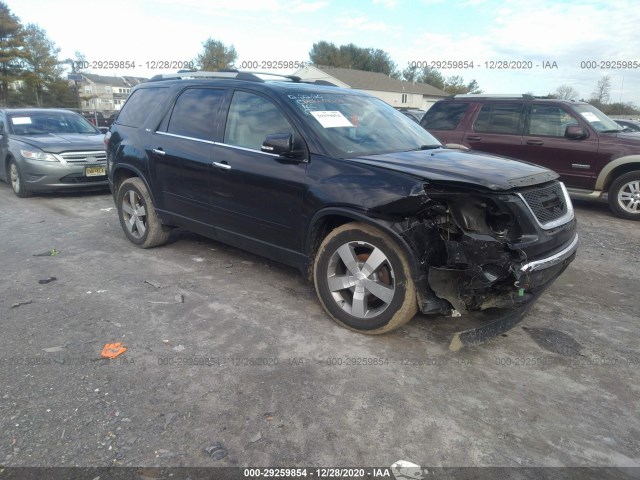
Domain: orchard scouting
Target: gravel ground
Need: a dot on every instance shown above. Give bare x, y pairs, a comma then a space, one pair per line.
226, 349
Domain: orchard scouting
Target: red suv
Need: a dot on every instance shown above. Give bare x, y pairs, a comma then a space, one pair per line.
589, 150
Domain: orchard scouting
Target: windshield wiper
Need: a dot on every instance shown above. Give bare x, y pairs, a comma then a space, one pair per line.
425, 147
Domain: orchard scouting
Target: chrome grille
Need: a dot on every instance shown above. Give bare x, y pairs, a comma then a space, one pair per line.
550, 205
80, 158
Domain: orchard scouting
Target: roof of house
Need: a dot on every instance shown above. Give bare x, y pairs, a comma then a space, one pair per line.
362, 80
125, 82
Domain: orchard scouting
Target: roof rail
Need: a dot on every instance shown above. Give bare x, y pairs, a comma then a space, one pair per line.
228, 74
526, 96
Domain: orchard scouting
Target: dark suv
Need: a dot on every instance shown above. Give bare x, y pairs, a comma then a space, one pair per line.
347, 189
591, 152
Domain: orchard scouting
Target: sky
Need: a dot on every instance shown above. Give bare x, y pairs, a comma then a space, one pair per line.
569, 38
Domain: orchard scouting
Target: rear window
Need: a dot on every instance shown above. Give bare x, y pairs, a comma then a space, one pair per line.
139, 105
444, 116
503, 118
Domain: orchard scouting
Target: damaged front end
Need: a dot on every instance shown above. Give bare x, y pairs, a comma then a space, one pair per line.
485, 251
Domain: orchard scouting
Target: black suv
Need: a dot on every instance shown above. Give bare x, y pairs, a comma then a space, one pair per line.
591, 152
347, 189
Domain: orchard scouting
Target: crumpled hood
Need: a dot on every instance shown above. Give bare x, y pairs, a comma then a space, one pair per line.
470, 167
62, 142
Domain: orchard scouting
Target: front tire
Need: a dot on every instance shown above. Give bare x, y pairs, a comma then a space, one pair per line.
17, 181
363, 280
624, 196
138, 217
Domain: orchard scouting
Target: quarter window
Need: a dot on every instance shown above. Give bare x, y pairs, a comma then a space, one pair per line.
195, 112
504, 118
444, 116
251, 118
139, 105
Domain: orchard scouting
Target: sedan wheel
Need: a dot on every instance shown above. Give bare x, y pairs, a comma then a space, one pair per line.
17, 184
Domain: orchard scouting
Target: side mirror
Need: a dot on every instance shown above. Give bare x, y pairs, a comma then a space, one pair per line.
575, 132
281, 144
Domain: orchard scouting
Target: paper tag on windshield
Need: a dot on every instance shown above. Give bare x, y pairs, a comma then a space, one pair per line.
331, 119
21, 120
590, 117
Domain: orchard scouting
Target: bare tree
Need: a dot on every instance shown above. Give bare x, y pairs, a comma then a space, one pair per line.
566, 92
603, 90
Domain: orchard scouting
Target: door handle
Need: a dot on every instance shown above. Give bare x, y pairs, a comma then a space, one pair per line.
474, 138
223, 165
535, 142
159, 151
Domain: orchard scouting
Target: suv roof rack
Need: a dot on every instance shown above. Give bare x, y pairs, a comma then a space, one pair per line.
228, 74
526, 96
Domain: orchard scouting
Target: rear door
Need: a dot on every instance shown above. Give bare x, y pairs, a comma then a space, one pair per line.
4, 144
181, 153
497, 129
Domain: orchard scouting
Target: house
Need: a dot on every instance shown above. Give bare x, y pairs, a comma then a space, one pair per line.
104, 93
396, 93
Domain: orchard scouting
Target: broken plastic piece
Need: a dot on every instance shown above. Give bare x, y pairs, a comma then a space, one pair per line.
51, 253
112, 350
46, 280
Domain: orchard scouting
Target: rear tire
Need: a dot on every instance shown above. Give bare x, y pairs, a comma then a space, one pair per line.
624, 196
363, 280
17, 182
138, 217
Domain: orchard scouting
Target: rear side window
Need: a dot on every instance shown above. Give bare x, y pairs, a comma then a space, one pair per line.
444, 116
505, 118
139, 105
195, 112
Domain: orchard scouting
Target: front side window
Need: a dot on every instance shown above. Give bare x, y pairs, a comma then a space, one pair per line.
251, 118
549, 120
502, 118
195, 112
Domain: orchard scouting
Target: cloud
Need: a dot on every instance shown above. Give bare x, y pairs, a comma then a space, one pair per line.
302, 7
362, 23
386, 3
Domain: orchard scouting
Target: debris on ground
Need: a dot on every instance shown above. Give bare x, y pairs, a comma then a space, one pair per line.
216, 451
169, 418
112, 350
177, 299
19, 304
44, 281
54, 349
50, 253
256, 437
153, 284
197, 259
179, 348
268, 416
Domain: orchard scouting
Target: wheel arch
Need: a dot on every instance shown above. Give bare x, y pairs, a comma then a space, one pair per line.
614, 169
326, 220
124, 172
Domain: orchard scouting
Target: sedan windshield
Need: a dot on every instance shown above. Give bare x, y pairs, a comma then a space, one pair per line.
598, 120
43, 123
356, 125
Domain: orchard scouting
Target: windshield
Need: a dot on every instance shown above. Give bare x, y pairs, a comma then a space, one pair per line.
44, 123
598, 120
356, 125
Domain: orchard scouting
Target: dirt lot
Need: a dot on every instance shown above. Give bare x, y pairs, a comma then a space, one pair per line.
246, 357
